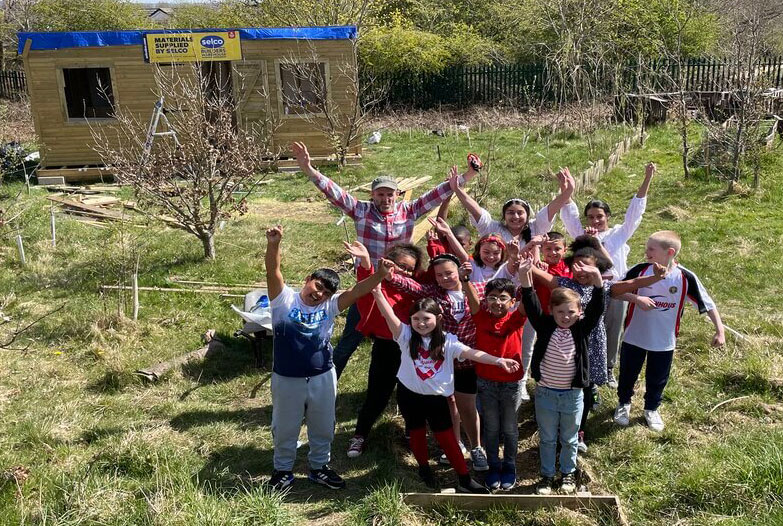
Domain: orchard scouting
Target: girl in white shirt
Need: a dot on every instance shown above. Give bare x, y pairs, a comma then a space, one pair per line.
426, 379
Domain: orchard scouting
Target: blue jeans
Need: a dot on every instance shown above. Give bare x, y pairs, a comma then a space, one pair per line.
349, 340
499, 403
555, 410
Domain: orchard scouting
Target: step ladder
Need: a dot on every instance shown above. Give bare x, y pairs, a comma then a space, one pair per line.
152, 130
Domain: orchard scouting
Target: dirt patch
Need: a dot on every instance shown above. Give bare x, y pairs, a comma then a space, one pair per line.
308, 212
673, 212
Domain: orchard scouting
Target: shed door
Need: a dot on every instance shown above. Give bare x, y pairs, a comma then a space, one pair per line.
217, 77
252, 92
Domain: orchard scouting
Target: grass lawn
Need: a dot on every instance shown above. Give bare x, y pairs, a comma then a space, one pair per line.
84, 441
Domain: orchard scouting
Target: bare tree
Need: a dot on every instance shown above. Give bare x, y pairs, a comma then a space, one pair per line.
207, 173
333, 99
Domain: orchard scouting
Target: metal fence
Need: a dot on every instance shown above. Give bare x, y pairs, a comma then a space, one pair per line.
13, 84
524, 84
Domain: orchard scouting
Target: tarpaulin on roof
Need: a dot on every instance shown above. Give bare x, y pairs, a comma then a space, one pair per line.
64, 40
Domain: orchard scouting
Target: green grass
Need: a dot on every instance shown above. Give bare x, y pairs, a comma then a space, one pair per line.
101, 447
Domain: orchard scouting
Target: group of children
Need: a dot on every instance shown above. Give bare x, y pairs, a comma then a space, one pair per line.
459, 340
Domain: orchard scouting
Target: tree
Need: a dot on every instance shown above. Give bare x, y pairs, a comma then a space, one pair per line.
96, 15
206, 174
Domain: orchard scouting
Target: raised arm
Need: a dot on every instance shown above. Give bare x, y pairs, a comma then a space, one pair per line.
434, 197
274, 278
392, 321
359, 251
529, 298
595, 307
544, 278
334, 194
567, 186
465, 270
348, 297
473, 208
443, 228
649, 172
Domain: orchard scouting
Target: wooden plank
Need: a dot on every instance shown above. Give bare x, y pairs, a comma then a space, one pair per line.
423, 225
70, 203
521, 502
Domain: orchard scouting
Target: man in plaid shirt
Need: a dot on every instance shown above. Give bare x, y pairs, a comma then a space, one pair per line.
381, 222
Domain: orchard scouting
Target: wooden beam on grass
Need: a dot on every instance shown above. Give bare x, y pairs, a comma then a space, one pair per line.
609, 503
423, 226
154, 373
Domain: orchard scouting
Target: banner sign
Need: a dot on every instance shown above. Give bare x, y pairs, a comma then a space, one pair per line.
192, 47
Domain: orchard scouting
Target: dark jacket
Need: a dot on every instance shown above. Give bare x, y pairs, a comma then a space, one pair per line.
545, 326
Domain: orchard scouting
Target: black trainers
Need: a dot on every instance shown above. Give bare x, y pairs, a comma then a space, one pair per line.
544, 486
426, 476
281, 480
568, 484
328, 477
468, 485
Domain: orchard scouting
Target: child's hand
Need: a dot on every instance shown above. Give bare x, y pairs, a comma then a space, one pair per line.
508, 365
441, 226
595, 274
659, 270
357, 250
377, 290
719, 339
645, 303
453, 178
542, 265
566, 182
386, 268
432, 235
302, 155
465, 271
591, 231
512, 249
538, 240
274, 234
650, 169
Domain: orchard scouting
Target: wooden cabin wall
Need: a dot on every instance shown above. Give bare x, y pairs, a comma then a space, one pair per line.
67, 142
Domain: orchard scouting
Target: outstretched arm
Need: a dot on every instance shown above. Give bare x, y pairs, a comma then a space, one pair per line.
649, 172
567, 186
431, 199
620, 288
508, 365
465, 270
348, 297
392, 321
473, 208
274, 278
336, 195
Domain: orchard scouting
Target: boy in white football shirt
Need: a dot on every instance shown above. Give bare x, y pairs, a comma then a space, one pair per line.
652, 326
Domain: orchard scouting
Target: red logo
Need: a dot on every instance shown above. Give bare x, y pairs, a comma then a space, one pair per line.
232, 34
425, 366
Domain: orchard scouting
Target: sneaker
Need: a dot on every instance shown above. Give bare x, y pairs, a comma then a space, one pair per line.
596, 398
327, 477
492, 481
568, 484
581, 446
479, 459
426, 476
281, 480
355, 446
508, 477
468, 485
443, 460
654, 420
622, 415
612, 383
544, 486
523, 394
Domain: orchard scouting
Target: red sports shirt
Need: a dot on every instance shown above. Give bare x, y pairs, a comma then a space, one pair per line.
501, 337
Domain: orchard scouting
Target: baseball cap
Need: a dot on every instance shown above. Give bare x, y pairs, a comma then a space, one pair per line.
384, 181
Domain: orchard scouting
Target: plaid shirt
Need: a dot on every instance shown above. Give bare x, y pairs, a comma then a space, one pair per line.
376, 231
465, 329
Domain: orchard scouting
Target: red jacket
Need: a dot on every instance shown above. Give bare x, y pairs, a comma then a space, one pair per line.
543, 292
501, 337
373, 324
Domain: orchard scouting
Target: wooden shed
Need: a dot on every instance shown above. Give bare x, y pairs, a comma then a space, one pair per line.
76, 80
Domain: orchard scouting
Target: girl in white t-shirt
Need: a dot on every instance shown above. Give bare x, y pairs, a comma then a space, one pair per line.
426, 379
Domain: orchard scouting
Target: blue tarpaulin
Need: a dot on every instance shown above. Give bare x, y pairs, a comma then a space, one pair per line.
71, 39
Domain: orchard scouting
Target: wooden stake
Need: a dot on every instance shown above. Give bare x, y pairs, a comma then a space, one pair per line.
135, 289
438, 147
52, 226
20, 246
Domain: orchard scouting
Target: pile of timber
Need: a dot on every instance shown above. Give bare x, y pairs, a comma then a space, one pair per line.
94, 205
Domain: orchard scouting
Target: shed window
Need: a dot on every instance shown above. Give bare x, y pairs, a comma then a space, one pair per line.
88, 93
303, 86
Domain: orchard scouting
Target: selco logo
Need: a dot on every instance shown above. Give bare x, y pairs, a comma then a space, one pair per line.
212, 41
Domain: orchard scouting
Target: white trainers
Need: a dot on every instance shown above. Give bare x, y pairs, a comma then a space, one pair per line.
654, 420
523, 394
622, 415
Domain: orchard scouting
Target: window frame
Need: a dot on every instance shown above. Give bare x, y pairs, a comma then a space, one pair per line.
67, 119
281, 97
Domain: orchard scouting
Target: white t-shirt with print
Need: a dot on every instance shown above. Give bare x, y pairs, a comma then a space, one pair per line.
458, 304
484, 273
540, 224
424, 375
